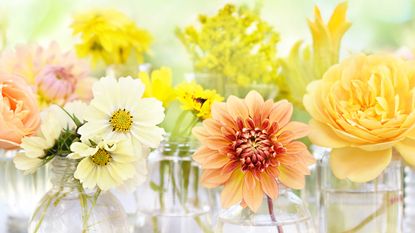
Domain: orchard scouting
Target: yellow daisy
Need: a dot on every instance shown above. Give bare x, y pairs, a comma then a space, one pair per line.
194, 98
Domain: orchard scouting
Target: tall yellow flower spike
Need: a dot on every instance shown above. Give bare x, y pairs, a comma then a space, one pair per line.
307, 63
159, 85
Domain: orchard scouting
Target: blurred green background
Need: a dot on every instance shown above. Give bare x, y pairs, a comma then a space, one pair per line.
377, 25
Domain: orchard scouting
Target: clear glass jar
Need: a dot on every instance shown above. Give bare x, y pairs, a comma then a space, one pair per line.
172, 200
370, 207
68, 208
286, 214
20, 192
312, 191
409, 204
226, 88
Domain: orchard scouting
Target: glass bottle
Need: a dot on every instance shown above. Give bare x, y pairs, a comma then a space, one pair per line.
409, 209
20, 193
68, 208
374, 206
172, 197
286, 214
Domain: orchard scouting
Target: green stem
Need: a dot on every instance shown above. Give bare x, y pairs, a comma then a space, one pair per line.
46, 207
155, 224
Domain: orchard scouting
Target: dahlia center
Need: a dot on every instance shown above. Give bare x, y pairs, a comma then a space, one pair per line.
121, 121
255, 149
101, 157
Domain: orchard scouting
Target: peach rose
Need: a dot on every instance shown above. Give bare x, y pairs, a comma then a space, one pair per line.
19, 113
362, 108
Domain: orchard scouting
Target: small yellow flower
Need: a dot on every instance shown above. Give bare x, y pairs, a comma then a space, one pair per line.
363, 108
159, 85
308, 63
110, 36
194, 98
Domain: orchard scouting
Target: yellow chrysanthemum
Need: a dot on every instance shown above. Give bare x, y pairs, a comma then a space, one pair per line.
159, 85
194, 98
305, 64
109, 35
235, 44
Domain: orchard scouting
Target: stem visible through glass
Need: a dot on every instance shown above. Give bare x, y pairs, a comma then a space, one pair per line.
272, 215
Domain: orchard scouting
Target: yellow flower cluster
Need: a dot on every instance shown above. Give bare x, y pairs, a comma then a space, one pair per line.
159, 85
305, 64
194, 98
110, 36
235, 44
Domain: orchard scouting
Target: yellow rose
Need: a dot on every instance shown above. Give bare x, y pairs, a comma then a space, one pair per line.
362, 108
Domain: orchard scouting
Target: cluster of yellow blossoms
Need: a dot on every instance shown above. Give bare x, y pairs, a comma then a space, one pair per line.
110, 36
235, 44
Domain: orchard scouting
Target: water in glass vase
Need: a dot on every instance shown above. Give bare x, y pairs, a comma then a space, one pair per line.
172, 198
349, 212
288, 215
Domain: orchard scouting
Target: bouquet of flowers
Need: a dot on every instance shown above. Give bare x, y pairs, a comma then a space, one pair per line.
107, 140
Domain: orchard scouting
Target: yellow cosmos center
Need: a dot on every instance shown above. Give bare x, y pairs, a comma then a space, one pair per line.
121, 121
101, 157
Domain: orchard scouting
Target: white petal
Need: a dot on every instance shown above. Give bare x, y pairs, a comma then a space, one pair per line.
29, 165
148, 136
148, 112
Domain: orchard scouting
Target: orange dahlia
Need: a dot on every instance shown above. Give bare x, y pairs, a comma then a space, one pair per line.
249, 147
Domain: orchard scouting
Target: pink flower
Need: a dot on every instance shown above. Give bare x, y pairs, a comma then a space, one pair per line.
55, 75
19, 113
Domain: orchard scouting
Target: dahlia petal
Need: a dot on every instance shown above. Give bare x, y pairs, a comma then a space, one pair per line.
220, 113
298, 129
214, 177
290, 178
406, 149
269, 185
252, 192
267, 109
237, 108
212, 127
232, 190
202, 154
216, 142
215, 161
323, 135
359, 165
200, 133
281, 112
254, 102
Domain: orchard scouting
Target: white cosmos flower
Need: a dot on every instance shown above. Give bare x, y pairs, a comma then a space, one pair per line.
53, 121
106, 164
118, 111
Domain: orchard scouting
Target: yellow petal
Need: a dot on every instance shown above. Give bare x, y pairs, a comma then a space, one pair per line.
323, 135
359, 165
407, 150
232, 190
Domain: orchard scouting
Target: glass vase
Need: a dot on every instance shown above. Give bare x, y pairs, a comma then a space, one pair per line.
226, 87
409, 209
68, 208
20, 192
286, 214
172, 200
375, 206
